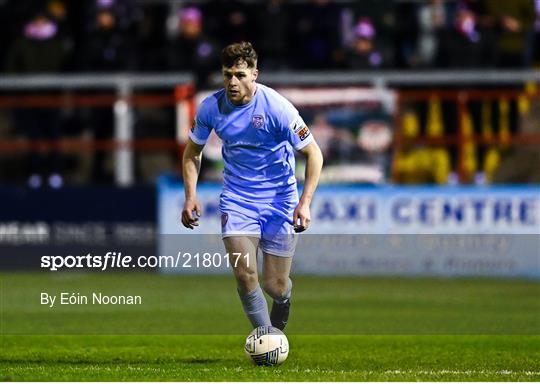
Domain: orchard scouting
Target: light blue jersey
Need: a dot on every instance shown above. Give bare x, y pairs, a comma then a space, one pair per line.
258, 140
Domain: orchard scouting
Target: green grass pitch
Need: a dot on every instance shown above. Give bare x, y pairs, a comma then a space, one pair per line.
191, 328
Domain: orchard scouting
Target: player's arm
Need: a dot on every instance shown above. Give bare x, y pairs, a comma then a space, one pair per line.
191, 165
314, 163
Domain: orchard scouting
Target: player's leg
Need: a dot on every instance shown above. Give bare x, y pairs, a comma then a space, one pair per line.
242, 252
242, 255
278, 285
276, 281
278, 243
241, 230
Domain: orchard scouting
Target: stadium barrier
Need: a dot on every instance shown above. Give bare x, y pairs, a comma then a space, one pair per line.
468, 141
83, 90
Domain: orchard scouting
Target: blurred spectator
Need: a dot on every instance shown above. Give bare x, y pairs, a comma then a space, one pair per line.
107, 49
514, 22
432, 20
151, 42
272, 38
39, 50
230, 21
13, 14
191, 50
363, 53
58, 12
315, 34
465, 44
406, 35
382, 14
308, 34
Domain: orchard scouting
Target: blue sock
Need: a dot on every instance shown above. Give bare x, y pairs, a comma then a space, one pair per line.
286, 296
255, 307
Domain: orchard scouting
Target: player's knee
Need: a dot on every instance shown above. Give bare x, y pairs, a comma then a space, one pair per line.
275, 286
246, 280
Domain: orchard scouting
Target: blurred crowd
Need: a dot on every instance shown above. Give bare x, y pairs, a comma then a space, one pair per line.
130, 35
61, 36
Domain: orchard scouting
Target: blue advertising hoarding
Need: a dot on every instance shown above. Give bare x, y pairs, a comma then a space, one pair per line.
391, 230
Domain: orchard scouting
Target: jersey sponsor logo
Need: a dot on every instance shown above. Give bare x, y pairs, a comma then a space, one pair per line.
297, 124
303, 133
299, 128
257, 121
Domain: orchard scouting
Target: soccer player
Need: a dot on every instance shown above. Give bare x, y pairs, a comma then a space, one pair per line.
259, 204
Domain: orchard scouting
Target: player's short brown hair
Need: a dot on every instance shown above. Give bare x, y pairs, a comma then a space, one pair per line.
242, 51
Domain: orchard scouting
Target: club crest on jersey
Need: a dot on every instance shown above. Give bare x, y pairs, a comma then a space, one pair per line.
257, 121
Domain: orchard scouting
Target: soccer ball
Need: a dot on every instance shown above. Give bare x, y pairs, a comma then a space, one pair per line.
267, 345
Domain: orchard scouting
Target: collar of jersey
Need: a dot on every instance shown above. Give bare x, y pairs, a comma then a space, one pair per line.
243, 105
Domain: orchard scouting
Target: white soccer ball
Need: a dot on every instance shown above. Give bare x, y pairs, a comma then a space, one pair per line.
267, 345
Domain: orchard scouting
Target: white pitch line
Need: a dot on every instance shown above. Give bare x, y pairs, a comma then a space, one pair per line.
457, 372
420, 372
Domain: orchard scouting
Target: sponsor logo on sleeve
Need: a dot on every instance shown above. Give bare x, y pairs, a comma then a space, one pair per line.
299, 128
303, 133
297, 124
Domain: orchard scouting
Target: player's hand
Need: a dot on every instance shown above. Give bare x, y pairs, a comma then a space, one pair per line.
191, 213
301, 217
